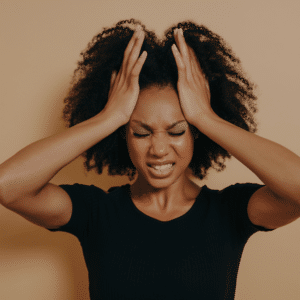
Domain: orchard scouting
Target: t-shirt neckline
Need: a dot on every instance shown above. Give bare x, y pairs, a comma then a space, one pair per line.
151, 219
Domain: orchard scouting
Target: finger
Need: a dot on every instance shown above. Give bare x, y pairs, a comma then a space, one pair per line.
132, 59
113, 78
197, 70
112, 81
131, 43
195, 64
138, 65
180, 64
208, 89
182, 46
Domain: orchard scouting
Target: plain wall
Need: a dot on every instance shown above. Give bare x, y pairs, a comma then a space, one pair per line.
40, 45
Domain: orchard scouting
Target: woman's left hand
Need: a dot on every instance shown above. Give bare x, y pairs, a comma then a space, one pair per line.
193, 87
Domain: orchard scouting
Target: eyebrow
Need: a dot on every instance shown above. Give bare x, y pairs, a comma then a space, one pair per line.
149, 127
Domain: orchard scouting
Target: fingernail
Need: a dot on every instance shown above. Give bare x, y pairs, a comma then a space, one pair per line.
138, 27
181, 31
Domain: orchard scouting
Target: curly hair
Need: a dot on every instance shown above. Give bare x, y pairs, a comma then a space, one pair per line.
232, 96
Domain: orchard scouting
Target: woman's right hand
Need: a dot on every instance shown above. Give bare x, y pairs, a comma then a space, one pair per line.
124, 86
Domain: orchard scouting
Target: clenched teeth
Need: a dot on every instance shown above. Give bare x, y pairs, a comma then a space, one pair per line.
163, 167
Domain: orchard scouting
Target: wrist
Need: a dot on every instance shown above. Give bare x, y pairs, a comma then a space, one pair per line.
115, 117
205, 119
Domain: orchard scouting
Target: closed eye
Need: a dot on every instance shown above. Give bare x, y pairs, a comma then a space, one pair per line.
177, 134
140, 135
144, 135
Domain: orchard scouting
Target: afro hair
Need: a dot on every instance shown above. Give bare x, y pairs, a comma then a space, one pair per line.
232, 97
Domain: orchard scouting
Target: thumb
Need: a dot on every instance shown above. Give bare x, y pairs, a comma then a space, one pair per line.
112, 80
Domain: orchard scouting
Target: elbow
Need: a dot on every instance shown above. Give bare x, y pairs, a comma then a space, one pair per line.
7, 194
3, 195
10, 192
2, 190
2, 198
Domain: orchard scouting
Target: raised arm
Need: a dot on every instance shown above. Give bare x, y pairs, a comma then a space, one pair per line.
278, 202
24, 178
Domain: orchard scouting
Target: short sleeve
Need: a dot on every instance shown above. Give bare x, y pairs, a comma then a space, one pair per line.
85, 203
236, 198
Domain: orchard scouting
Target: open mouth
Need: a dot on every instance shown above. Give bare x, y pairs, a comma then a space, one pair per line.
161, 171
161, 167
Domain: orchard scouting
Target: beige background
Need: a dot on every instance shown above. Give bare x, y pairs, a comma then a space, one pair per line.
40, 45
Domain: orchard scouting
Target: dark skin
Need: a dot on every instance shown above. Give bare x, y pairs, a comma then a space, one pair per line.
278, 202
172, 196
274, 205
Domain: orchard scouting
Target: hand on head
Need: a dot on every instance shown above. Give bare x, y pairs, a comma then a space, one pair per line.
124, 86
193, 87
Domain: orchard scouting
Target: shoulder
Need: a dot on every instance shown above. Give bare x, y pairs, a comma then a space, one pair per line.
78, 190
233, 191
237, 198
233, 202
239, 190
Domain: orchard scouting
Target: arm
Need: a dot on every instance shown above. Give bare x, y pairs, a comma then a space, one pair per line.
272, 206
24, 178
27, 172
277, 167
278, 203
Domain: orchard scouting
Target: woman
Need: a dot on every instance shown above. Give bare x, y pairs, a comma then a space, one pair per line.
178, 105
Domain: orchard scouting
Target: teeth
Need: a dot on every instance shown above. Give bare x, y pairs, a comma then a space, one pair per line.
163, 167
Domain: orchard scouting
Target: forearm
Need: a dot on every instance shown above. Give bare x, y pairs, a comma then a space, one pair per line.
276, 166
30, 169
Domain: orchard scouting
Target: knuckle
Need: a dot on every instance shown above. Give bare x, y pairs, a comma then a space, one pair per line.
134, 81
132, 57
182, 67
189, 77
134, 73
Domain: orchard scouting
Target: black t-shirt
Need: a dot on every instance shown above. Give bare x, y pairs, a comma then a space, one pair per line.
130, 255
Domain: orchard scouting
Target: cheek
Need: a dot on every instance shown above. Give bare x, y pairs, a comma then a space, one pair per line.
185, 143
136, 149
185, 148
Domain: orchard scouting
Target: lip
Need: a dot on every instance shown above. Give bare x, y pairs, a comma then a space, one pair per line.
157, 174
158, 163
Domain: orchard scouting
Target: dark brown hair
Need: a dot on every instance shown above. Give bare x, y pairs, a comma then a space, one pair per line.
232, 96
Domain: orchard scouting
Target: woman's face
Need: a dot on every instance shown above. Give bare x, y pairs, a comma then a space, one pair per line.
156, 110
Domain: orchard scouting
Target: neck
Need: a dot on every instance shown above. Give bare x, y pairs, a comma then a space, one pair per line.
167, 198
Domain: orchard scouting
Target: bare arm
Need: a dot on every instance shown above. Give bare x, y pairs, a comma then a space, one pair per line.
271, 206
24, 178
29, 170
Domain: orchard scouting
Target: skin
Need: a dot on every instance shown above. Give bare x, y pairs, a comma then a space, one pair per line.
278, 202
273, 205
175, 194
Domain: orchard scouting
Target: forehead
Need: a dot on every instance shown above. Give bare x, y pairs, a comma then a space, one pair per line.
157, 107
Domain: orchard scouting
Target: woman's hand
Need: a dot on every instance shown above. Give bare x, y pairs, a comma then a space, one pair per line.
193, 88
124, 86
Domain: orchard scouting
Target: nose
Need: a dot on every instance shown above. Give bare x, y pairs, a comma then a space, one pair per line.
159, 145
